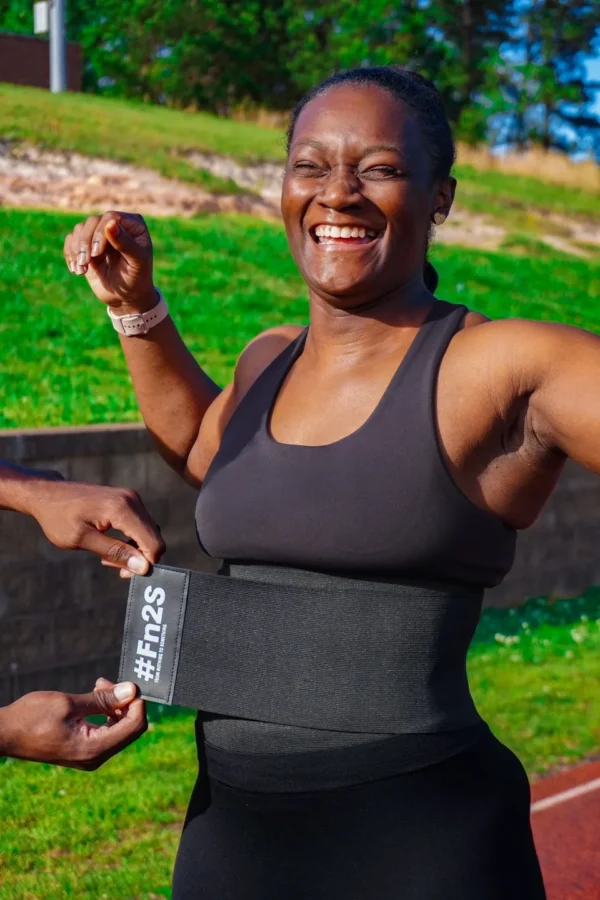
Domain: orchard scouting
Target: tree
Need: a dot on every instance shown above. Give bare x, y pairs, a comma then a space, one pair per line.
454, 42
551, 98
508, 70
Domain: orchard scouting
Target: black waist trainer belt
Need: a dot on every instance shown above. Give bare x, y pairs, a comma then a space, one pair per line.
305, 649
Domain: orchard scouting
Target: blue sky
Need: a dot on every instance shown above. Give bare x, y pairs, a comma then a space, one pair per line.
593, 67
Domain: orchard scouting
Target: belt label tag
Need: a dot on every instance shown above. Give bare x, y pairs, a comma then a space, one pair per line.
152, 633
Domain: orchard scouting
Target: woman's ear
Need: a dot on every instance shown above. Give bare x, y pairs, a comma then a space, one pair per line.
443, 199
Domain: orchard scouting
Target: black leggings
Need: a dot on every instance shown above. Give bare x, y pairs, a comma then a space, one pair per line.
458, 830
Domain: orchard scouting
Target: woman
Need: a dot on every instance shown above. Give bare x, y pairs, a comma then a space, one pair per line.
399, 441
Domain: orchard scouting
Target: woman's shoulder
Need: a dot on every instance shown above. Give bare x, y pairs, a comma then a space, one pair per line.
260, 353
511, 345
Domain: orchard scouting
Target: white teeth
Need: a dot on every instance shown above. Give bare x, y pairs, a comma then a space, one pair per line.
346, 231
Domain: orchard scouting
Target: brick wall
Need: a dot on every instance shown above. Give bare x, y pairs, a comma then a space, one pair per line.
61, 613
25, 59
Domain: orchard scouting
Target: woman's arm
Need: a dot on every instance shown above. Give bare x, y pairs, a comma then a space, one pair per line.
114, 252
564, 370
558, 368
183, 409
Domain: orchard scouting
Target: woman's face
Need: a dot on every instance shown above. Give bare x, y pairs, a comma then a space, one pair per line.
358, 162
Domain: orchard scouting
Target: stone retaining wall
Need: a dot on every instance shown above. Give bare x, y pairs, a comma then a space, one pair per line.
61, 613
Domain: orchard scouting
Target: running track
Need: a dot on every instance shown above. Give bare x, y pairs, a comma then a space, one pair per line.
565, 815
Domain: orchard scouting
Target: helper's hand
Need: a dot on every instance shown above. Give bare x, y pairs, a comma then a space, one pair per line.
114, 252
75, 516
47, 726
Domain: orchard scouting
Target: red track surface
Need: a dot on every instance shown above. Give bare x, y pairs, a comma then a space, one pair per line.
567, 835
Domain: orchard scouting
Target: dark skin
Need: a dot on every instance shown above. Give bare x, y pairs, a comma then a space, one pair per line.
514, 398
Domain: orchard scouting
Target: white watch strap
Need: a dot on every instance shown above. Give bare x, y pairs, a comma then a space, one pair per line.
140, 323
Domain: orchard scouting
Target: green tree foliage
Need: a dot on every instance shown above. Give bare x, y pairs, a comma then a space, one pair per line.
509, 70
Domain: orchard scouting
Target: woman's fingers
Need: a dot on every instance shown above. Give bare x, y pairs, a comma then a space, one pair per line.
67, 253
99, 242
76, 246
83, 247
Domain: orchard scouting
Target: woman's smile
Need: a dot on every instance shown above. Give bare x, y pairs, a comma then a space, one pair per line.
343, 237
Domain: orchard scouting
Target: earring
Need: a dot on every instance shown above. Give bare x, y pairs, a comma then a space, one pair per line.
439, 218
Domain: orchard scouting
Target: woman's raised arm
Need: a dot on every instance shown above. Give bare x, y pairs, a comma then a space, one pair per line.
557, 368
114, 252
183, 409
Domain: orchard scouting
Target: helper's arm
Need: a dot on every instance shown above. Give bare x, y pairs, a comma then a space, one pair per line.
76, 516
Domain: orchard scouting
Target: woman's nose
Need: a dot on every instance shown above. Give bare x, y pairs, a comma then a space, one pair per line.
341, 189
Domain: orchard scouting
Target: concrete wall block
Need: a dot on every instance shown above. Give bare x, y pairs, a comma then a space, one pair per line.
78, 678
6, 692
91, 469
162, 479
126, 470
88, 634
21, 538
27, 642
107, 588
81, 677
43, 586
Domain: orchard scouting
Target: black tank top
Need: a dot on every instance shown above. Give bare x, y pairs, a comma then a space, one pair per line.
379, 502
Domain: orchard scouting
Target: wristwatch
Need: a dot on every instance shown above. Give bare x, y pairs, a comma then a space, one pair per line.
140, 323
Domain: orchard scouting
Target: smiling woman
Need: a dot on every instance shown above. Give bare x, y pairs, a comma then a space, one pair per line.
374, 466
410, 173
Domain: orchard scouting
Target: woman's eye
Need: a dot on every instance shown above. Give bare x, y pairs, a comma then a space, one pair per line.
380, 172
306, 168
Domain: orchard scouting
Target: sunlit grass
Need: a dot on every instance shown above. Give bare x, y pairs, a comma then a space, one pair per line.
160, 138
226, 278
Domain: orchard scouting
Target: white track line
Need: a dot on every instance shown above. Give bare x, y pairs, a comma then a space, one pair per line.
539, 805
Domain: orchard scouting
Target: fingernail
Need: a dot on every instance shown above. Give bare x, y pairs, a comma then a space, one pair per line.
72, 267
81, 258
137, 564
124, 691
95, 247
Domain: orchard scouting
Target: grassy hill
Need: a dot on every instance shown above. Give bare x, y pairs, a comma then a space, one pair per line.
160, 138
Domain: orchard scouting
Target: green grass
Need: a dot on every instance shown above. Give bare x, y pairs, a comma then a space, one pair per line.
113, 833
519, 197
226, 279
148, 136
159, 138
534, 672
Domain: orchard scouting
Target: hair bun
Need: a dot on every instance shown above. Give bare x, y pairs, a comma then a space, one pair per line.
430, 277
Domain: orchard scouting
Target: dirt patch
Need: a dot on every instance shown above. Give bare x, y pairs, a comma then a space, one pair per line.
41, 179
57, 180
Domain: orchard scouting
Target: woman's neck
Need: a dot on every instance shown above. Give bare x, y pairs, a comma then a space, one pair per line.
366, 328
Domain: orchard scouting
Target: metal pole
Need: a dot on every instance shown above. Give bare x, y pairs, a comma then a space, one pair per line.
58, 47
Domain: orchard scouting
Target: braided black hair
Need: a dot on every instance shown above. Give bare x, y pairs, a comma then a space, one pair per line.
423, 97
